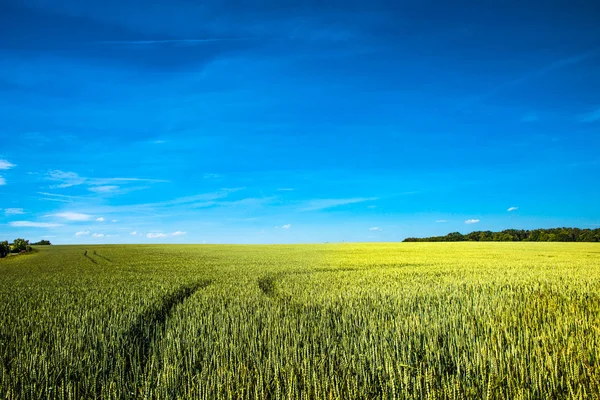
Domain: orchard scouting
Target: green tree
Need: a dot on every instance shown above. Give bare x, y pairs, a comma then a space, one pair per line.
19, 245
4, 249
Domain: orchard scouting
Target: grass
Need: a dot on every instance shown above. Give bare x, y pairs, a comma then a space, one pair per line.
392, 321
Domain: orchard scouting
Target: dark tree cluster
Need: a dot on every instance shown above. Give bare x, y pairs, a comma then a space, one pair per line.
42, 243
17, 246
519, 235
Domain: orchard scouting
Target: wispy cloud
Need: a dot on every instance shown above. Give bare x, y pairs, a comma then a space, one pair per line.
32, 224
592, 116
204, 197
531, 117
170, 41
4, 164
98, 235
375, 228
471, 221
103, 189
13, 211
2, 181
178, 233
512, 209
555, 65
323, 204
156, 235
62, 198
82, 233
100, 219
71, 216
441, 221
286, 226
68, 179
285, 189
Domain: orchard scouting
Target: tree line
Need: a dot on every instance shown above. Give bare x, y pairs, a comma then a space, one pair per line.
518, 235
19, 246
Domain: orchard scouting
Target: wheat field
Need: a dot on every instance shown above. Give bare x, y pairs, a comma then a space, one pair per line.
333, 321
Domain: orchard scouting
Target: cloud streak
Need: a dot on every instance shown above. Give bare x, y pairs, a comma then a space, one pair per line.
69, 179
471, 221
590, 117
32, 224
4, 164
156, 235
512, 209
172, 41
323, 204
71, 216
13, 211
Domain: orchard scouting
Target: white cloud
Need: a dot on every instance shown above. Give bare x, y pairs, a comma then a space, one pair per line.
103, 189
2, 181
286, 226
68, 179
375, 228
156, 235
82, 233
72, 216
13, 211
211, 176
6, 165
471, 221
512, 209
178, 233
101, 219
98, 235
31, 224
134, 233
322, 204
440, 221
114, 220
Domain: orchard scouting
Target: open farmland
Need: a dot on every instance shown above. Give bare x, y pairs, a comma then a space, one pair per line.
410, 320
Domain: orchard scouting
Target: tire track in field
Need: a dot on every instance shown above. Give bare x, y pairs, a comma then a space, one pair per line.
102, 257
85, 254
137, 342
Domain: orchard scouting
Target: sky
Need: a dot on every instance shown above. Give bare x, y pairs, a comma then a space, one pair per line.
173, 121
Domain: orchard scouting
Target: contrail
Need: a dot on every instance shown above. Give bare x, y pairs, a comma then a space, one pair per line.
558, 64
164, 41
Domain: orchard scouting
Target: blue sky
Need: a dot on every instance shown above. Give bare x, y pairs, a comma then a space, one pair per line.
224, 122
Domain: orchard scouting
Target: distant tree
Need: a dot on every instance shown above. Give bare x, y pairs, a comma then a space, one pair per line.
454, 237
42, 243
518, 235
474, 236
4, 249
19, 245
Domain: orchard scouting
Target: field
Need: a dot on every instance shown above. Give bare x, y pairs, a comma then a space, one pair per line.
392, 321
